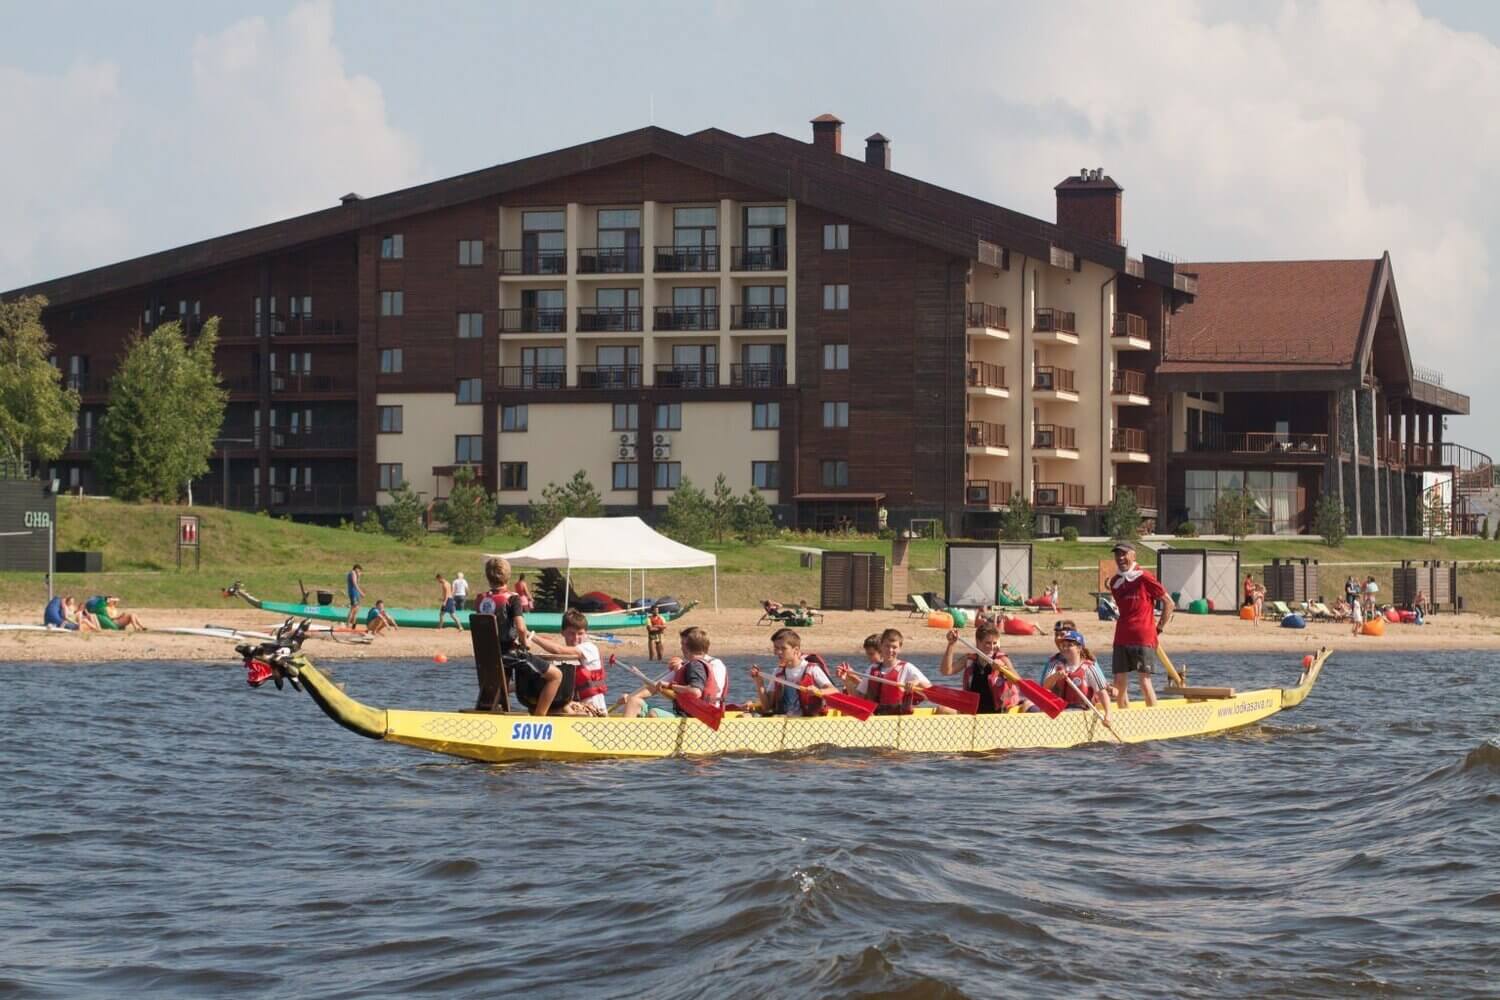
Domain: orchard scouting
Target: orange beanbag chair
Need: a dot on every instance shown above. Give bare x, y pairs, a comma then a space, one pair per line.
1015, 626
1375, 626
940, 619
1247, 612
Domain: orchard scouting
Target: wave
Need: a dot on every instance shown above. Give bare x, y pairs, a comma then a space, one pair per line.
1485, 757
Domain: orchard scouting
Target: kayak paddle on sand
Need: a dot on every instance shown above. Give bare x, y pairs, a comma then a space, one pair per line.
709, 715
1039, 696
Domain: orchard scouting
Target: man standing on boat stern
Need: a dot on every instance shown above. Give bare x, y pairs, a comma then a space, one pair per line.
1136, 592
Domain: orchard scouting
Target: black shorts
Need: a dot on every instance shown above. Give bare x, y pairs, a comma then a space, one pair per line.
1133, 659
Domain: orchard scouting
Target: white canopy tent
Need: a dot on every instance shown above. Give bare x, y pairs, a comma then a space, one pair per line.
626, 543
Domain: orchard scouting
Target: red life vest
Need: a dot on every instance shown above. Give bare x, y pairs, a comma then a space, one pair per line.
716, 688
811, 704
588, 681
1082, 680
1005, 694
891, 699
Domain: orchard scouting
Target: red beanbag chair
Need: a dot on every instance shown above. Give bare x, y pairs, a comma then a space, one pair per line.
1392, 615
1408, 617
1015, 626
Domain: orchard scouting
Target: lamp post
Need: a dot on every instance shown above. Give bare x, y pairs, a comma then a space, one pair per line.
224, 444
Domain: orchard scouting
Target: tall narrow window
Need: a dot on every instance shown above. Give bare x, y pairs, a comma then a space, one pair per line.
835, 296
392, 247
836, 236
626, 417
390, 419
669, 416
392, 303
512, 475
470, 326
625, 476
544, 243
469, 390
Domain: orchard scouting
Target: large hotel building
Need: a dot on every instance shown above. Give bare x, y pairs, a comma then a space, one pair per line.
653, 307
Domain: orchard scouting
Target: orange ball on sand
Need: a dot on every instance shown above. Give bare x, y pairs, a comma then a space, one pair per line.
439, 658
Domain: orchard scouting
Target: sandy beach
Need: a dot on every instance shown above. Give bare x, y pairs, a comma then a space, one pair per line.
734, 632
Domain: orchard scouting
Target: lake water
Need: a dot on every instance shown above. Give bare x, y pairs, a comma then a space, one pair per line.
170, 833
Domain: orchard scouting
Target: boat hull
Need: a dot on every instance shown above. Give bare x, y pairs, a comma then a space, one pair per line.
536, 621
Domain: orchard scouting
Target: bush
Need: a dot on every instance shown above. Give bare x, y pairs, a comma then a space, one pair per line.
689, 516
1187, 529
1122, 518
1329, 521
469, 509
1070, 534
369, 523
1019, 522
511, 525
403, 515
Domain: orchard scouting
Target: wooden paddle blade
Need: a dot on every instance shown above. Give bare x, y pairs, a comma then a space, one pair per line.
1043, 699
964, 702
852, 705
709, 715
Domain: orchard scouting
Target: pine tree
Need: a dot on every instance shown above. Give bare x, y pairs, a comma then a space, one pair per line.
403, 515
1019, 521
689, 516
575, 498
754, 522
1122, 519
722, 508
37, 415
1234, 511
1329, 521
469, 511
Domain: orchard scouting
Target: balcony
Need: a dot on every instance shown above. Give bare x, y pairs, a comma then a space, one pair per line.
533, 377
765, 258
757, 318
987, 380
88, 385
686, 260
82, 440
554, 262
1273, 444
1128, 444
686, 318
243, 384
687, 376
983, 319
302, 382
986, 438
530, 320
609, 376
306, 326
1129, 333
1129, 388
609, 319
1057, 495
1051, 382
610, 260
316, 439
758, 376
1055, 326
1145, 496
243, 496
987, 492
1055, 441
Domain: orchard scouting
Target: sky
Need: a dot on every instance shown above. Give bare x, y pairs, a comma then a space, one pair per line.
1239, 130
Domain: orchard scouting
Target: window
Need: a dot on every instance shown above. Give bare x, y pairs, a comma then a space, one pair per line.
468, 449
765, 416
627, 476
470, 253
835, 296
390, 360
765, 475
301, 306
668, 475
390, 419
512, 475
513, 418
390, 475
835, 472
669, 416
392, 247
835, 414
543, 243
627, 417
470, 390
392, 304
470, 326
835, 357
836, 236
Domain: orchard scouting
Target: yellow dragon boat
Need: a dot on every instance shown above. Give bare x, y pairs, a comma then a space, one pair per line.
502, 737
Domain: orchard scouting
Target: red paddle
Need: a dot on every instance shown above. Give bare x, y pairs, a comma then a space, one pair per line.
859, 708
709, 715
1039, 696
964, 702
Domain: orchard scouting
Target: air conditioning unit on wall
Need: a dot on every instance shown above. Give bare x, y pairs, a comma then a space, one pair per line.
663, 439
627, 438
1046, 498
661, 452
626, 453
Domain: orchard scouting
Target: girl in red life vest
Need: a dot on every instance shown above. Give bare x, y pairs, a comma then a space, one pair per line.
996, 694
890, 699
589, 687
1074, 662
697, 673
793, 668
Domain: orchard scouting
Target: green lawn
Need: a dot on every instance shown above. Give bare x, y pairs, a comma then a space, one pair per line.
269, 556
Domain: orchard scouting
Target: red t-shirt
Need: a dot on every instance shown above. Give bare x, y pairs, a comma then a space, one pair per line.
1136, 600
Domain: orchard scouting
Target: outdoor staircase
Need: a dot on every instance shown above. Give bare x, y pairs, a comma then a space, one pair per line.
1465, 497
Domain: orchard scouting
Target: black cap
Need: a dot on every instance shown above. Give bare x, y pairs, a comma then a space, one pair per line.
1123, 547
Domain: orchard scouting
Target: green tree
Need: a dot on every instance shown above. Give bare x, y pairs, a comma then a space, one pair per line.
1329, 520
689, 516
1018, 524
1234, 513
1122, 518
1434, 512
754, 521
403, 515
469, 510
722, 508
37, 415
165, 409
575, 498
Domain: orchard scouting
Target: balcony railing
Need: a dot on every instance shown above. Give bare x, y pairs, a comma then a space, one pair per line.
680, 259
687, 376
318, 438
1131, 325
610, 260
988, 492
1054, 436
1055, 321
300, 382
1129, 382
1049, 377
244, 496
983, 375
686, 318
765, 258
307, 326
757, 376
609, 319
82, 440
88, 383
609, 376
757, 318
1259, 443
984, 434
241, 383
1057, 495
533, 377
1128, 439
980, 315
533, 262
1145, 496
531, 320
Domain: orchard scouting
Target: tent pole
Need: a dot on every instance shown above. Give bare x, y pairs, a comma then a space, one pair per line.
716, 586
567, 584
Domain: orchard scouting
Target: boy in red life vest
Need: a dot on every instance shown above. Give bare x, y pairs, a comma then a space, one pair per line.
506, 607
1075, 663
656, 627
699, 674
793, 668
588, 681
891, 699
1136, 593
996, 694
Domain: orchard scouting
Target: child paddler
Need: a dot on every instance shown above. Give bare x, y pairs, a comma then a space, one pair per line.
891, 698
506, 607
1075, 663
697, 673
794, 668
589, 687
996, 694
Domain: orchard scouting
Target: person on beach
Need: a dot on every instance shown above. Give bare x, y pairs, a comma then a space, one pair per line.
55, 614
1255, 597
896, 698
656, 627
524, 593
111, 619
1137, 593
589, 687
1371, 588
792, 667
460, 590
351, 586
378, 620
446, 606
1075, 663
996, 694
698, 673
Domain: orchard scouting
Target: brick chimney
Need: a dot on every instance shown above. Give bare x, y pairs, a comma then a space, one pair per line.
878, 151
1091, 203
828, 134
